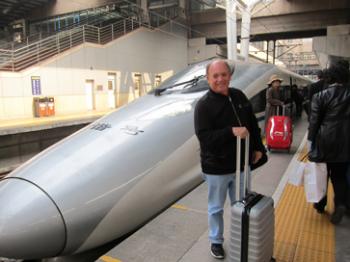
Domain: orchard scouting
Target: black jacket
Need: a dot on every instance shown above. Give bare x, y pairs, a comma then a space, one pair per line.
214, 119
330, 124
314, 88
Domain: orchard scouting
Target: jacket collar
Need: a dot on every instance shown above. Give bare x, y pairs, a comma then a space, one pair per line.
217, 95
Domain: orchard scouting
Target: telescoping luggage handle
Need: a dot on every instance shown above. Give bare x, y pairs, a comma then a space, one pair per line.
246, 179
283, 110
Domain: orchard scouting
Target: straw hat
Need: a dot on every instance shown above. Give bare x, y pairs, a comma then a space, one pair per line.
274, 78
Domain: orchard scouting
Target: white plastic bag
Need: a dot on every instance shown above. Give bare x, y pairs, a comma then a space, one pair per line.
296, 178
315, 181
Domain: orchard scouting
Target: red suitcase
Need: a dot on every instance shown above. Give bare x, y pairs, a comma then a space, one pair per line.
279, 133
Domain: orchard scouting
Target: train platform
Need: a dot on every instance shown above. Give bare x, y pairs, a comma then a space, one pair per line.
180, 233
15, 126
17, 134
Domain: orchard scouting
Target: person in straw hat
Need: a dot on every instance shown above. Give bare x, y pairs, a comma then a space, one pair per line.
273, 97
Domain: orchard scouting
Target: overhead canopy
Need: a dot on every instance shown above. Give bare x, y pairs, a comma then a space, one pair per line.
11, 10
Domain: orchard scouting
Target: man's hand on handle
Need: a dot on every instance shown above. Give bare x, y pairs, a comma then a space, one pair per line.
240, 131
243, 133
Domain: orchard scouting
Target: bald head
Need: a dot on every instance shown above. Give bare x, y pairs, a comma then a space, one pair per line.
231, 70
219, 76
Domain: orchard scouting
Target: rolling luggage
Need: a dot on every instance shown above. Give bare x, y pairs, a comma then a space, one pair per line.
252, 221
279, 133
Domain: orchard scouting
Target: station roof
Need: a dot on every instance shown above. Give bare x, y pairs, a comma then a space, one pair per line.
11, 10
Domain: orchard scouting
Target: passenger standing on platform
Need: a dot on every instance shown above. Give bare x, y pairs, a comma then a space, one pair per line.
273, 98
329, 135
221, 115
297, 99
314, 88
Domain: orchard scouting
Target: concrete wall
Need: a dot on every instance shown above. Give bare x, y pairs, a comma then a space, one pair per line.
143, 51
199, 51
335, 44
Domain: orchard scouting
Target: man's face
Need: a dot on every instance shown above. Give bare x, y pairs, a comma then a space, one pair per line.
219, 77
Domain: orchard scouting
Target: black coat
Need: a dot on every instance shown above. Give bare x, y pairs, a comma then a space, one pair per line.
330, 124
314, 88
214, 118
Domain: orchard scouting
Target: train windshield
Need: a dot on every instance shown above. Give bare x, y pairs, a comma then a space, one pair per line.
192, 79
182, 79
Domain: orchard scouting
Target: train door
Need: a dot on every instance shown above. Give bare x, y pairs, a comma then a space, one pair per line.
157, 80
90, 94
138, 85
112, 99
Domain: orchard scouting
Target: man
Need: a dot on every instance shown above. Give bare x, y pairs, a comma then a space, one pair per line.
221, 115
297, 99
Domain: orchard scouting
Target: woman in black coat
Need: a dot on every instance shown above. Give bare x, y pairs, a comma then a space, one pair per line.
329, 135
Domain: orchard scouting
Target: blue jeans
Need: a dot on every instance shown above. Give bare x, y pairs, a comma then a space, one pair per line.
218, 187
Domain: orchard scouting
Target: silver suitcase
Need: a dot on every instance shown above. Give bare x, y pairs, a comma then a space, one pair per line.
252, 220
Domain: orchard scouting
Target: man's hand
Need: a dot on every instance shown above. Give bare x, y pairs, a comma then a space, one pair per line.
240, 131
257, 155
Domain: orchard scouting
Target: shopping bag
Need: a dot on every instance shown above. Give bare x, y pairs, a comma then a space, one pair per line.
296, 177
315, 181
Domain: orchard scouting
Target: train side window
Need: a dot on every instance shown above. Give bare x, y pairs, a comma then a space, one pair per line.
259, 101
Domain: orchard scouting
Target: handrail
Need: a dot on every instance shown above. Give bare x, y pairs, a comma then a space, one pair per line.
28, 55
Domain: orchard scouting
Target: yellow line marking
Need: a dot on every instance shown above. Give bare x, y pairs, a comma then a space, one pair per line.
177, 206
185, 208
109, 259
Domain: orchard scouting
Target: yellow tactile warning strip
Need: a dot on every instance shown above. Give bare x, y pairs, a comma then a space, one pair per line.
301, 234
109, 259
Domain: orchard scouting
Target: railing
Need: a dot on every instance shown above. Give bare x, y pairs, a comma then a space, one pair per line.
16, 60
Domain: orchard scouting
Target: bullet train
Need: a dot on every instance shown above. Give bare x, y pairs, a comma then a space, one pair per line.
115, 174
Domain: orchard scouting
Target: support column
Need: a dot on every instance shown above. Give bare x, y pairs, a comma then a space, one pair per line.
267, 51
274, 52
182, 8
145, 15
245, 33
231, 29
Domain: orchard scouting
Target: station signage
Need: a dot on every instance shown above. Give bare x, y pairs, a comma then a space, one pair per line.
36, 86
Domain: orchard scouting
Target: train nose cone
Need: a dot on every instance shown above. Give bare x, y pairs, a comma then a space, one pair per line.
31, 226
